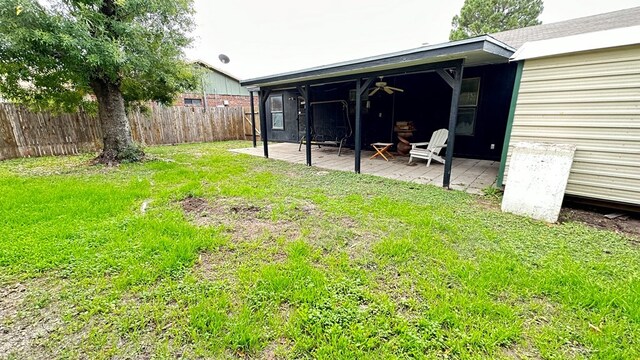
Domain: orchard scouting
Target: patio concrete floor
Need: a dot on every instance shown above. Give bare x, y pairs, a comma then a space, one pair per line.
468, 175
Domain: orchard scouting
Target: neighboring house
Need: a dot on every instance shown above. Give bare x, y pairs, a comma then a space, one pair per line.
569, 87
218, 87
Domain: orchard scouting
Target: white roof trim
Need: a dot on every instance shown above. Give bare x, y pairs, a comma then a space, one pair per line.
577, 43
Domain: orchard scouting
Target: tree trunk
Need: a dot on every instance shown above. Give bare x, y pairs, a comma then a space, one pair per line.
116, 133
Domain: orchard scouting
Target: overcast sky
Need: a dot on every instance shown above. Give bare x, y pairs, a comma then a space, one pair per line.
267, 37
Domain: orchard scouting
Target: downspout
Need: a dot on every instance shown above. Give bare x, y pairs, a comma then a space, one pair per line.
507, 134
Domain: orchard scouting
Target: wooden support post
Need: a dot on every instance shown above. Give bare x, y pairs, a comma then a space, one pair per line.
253, 121
361, 87
264, 94
358, 138
453, 119
307, 117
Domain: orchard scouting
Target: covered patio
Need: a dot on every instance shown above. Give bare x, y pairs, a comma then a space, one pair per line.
392, 98
467, 175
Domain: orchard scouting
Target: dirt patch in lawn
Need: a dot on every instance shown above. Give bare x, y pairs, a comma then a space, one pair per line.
214, 265
196, 206
27, 318
249, 221
256, 238
244, 221
224, 263
626, 224
259, 233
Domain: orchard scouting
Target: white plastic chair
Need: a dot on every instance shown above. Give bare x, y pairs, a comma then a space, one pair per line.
433, 147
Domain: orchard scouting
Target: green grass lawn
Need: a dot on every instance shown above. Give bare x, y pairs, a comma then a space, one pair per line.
201, 253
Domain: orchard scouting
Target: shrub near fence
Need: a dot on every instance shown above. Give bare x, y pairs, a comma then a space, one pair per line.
24, 133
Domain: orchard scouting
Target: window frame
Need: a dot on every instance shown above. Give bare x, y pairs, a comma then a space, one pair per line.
469, 107
191, 100
280, 112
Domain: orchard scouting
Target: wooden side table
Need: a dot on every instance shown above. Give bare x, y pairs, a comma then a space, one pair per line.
382, 149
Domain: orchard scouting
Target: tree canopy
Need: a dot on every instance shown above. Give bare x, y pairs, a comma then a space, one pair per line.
50, 53
479, 17
55, 53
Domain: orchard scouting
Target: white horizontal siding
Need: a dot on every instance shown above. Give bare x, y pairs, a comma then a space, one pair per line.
592, 100
589, 84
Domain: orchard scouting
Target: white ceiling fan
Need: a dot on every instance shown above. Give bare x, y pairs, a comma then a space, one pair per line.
381, 85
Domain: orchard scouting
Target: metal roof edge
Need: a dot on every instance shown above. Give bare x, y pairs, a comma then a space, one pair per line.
496, 47
499, 43
213, 68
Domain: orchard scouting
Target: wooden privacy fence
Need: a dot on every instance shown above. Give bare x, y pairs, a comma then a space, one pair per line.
24, 133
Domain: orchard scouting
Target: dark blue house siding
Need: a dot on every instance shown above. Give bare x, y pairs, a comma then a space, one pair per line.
425, 101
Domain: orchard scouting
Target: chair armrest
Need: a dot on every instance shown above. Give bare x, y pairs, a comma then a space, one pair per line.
415, 145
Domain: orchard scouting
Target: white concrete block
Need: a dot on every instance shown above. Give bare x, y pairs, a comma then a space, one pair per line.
537, 179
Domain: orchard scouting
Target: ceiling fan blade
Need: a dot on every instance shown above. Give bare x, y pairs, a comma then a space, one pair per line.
374, 91
387, 90
395, 89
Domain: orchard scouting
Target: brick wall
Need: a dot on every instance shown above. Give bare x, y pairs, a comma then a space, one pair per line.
218, 100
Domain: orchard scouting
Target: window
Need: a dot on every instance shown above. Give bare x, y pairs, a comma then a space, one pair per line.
192, 102
466, 121
467, 106
277, 113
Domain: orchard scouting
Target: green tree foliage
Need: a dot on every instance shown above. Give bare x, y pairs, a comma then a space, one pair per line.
54, 53
479, 17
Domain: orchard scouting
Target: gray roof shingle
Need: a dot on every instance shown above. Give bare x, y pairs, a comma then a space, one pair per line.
612, 20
